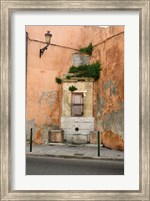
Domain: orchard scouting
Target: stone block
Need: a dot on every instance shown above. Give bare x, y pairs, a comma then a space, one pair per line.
80, 139
68, 138
67, 125
70, 132
83, 131
85, 125
56, 136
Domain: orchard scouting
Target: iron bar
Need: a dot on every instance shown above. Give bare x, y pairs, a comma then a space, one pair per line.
31, 140
98, 141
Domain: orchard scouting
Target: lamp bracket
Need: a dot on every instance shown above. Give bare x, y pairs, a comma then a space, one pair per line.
43, 50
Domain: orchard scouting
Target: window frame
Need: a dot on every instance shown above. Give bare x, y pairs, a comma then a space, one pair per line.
77, 93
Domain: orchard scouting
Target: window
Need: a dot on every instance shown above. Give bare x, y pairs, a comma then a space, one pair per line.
79, 59
77, 104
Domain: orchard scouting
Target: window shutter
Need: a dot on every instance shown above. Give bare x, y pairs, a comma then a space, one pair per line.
77, 104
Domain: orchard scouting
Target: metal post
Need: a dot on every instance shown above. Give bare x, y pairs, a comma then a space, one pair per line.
98, 141
31, 140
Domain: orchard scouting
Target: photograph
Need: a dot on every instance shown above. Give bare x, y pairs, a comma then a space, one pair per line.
74, 100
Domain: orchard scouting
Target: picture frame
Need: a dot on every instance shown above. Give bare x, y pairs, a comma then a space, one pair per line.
7, 7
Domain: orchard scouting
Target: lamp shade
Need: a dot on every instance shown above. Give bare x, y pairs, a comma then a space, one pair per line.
48, 36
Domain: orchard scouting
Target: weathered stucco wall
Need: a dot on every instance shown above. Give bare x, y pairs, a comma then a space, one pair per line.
44, 95
86, 88
43, 103
109, 89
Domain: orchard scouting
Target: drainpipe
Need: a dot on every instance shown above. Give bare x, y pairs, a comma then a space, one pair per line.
26, 56
26, 67
98, 141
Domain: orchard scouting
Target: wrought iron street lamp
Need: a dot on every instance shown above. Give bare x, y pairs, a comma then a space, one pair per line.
48, 37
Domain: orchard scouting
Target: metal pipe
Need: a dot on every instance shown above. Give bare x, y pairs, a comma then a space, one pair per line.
98, 141
31, 140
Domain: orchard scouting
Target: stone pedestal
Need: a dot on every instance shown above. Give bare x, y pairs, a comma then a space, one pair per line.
84, 125
80, 139
56, 136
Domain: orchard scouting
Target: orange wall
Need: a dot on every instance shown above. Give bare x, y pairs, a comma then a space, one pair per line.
109, 89
43, 102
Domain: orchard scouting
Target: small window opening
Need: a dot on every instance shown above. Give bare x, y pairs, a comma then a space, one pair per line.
77, 105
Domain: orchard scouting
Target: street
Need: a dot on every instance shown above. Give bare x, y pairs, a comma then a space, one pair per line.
63, 166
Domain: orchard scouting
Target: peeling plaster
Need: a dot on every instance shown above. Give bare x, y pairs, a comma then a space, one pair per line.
108, 84
100, 104
114, 121
113, 90
112, 86
49, 97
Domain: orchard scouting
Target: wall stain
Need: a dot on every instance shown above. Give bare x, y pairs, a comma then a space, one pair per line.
49, 97
112, 86
108, 84
114, 121
100, 104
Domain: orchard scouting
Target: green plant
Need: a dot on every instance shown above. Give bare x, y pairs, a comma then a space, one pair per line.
87, 50
58, 80
73, 69
68, 77
72, 88
86, 70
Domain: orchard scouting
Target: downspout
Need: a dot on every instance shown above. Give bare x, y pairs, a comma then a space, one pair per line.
26, 56
26, 59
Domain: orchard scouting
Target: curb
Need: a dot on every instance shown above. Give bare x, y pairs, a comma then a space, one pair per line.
75, 157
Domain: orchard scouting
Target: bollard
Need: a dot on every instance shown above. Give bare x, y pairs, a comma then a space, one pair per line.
98, 141
31, 140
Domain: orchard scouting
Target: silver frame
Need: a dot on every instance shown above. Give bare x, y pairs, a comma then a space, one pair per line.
143, 7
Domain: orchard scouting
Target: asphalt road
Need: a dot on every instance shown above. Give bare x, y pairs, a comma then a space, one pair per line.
64, 166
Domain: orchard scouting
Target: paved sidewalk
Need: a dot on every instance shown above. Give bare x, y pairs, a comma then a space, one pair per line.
84, 151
